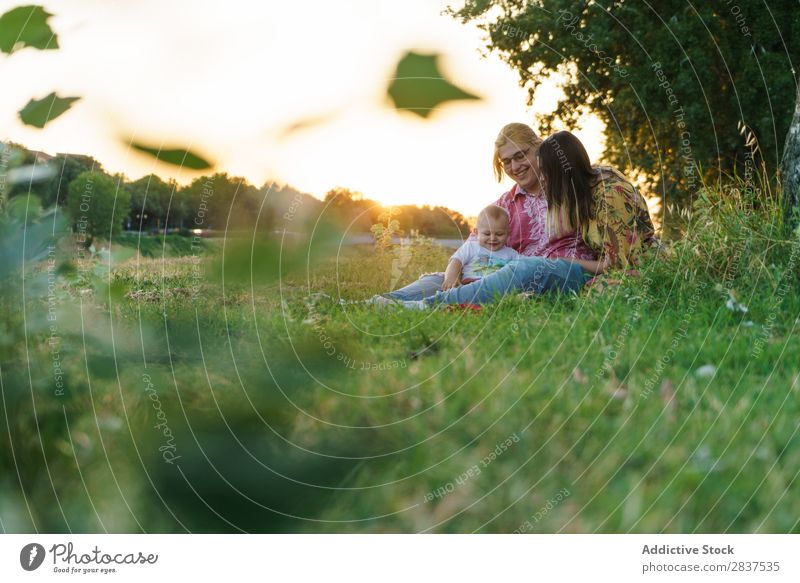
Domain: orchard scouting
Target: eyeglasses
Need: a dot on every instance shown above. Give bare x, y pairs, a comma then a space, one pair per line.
520, 156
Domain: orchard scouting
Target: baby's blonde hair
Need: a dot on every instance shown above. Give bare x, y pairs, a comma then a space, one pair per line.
493, 213
519, 134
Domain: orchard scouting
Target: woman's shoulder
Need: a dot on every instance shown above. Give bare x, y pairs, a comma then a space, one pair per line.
612, 184
615, 195
607, 175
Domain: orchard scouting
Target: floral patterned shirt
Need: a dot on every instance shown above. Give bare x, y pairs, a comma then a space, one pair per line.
622, 228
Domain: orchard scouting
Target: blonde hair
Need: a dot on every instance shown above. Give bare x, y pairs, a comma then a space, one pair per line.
493, 213
558, 222
517, 133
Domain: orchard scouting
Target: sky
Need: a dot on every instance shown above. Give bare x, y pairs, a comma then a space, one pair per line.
228, 78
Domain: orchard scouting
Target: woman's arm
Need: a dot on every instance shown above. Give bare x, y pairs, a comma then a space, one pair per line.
452, 275
596, 267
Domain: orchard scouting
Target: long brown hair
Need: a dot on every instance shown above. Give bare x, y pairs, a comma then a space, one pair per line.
568, 183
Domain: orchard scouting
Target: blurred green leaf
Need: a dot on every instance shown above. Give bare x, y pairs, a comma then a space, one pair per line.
113, 292
27, 243
175, 156
66, 269
268, 258
239, 476
26, 26
101, 366
39, 112
419, 86
303, 124
25, 208
31, 173
120, 254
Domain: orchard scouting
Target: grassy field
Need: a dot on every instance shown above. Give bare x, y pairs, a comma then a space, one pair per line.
195, 402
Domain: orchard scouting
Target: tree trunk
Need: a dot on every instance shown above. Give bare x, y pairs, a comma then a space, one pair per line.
790, 168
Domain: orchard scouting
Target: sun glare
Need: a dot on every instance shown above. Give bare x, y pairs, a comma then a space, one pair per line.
282, 98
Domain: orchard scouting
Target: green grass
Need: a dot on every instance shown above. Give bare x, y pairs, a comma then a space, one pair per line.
653, 406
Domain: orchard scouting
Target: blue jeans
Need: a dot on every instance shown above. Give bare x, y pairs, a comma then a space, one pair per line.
529, 274
426, 286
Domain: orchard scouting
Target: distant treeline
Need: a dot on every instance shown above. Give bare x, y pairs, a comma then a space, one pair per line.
361, 213
218, 202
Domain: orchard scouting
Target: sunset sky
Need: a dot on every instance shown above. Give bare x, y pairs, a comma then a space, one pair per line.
228, 78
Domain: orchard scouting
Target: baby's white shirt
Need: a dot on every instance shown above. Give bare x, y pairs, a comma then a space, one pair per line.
479, 262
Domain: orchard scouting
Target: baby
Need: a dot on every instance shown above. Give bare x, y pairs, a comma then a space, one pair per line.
474, 260
477, 259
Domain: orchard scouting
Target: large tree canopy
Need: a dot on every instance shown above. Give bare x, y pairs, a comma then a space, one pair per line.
674, 81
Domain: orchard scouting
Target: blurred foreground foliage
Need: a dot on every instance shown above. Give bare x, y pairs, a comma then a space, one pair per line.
120, 417
229, 390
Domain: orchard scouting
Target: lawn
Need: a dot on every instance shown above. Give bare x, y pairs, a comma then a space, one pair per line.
193, 402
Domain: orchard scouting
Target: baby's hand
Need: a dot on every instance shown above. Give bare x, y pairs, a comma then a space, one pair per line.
450, 283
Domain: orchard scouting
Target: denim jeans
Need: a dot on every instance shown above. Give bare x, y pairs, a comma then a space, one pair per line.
529, 274
426, 286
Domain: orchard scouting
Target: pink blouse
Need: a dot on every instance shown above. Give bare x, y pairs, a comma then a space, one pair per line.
527, 231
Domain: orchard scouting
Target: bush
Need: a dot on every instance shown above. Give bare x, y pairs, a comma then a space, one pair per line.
732, 233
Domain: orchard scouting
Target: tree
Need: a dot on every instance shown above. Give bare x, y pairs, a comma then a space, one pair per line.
790, 168
151, 196
220, 202
97, 206
68, 167
671, 80
284, 207
351, 209
180, 209
432, 221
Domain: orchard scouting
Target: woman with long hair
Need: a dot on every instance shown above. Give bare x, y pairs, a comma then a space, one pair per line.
605, 209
